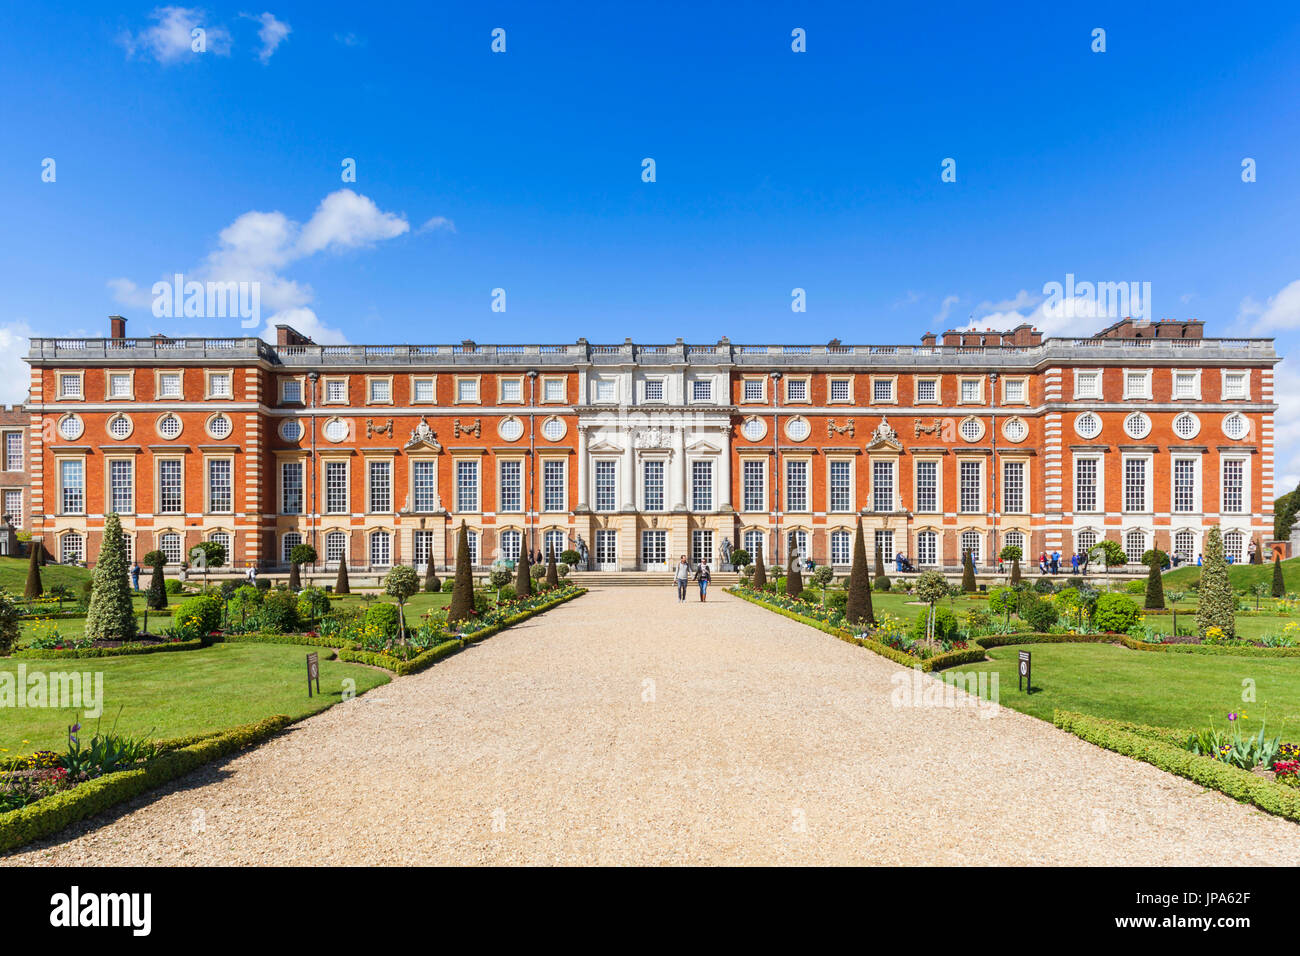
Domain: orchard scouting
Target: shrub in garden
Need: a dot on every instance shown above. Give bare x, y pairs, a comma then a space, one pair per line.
244, 603
740, 558
155, 597
880, 571
822, 579
1279, 582
499, 578
1114, 613
552, 575
198, 616
760, 572
794, 581
1135, 587
570, 558
313, 603
109, 614
382, 618
299, 555
1155, 588
945, 625
881, 583
967, 573
1218, 605
33, 588
837, 600
1012, 553
1044, 586
175, 587
402, 584
9, 626
507, 593
279, 613
462, 593
431, 582
447, 585
341, 583
1040, 615
523, 577
858, 609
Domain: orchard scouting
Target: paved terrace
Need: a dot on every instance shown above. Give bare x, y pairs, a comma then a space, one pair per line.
625, 728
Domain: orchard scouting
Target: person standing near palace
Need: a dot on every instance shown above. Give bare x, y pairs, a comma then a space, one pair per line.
682, 576
702, 575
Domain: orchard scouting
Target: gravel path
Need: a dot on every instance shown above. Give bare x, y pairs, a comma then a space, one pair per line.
623, 728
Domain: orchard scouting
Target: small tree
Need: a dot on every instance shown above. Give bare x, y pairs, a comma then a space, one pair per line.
401, 583
794, 577
967, 572
34, 588
552, 575
205, 555
1155, 561
880, 565
740, 559
1111, 555
858, 609
156, 597
1279, 583
760, 571
570, 558
1174, 597
299, 555
931, 587
110, 615
1013, 553
1218, 605
523, 576
462, 592
1260, 590
822, 578
341, 583
500, 578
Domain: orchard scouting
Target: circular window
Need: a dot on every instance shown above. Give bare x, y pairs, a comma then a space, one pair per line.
1137, 425
553, 429
971, 429
336, 429
119, 427
1088, 425
291, 429
754, 429
169, 426
1236, 427
1186, 425
797, 429
1015, 429
70, 427
219, 427
511, 429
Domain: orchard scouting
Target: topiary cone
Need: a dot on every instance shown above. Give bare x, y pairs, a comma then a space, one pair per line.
968, 573
462, 592
523, 580
552, 572
341, 583
110, 615
34, 588
1279, 583
760, 572
858, 609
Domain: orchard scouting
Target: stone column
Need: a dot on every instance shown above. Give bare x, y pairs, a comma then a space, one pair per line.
724, 471
677, 470
582, 468
629, 473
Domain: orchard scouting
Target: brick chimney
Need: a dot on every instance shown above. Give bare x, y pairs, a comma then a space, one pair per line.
928, 339
288, 335
116, 327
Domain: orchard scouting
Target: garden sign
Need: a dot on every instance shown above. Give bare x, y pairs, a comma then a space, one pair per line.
1023, 667
313, 672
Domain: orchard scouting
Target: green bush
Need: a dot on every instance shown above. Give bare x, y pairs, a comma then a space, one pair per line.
1002, 600
881, 584
1040, 615
1115, 613
383, 617
312, 603
9, 626
508, 592
1135, 587
198, 616
279, 612
448, 584
246, 601
174, 587
945, 624
1044, 585
837, 600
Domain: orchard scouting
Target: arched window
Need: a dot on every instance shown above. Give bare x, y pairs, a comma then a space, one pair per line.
754, 544
511, 542
1135, 543
1232, 543
1085, 541
551, 541
796, 543
927, 548
472, 538
72, 547
841, 547
1014, 539
971, 541
1185, 545
290, 541
170, 545
381, 549
336, 546
223, 538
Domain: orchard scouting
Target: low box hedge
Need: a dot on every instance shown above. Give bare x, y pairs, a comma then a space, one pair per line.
126, 650
268, 637
1156, 746
53, 813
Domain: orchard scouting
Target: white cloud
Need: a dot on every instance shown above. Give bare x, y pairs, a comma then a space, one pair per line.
15, 375
1286, 426
945, 307
171, 40
1022, 300
437, 224
345, 219
127, 292
1086, 317
308, 323
271, 32
1282, 311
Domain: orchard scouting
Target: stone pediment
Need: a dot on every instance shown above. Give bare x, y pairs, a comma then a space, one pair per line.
422, 438
884, 438
603, 445
703, 444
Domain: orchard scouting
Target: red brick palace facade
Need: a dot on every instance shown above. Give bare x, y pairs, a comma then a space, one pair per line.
1147, 435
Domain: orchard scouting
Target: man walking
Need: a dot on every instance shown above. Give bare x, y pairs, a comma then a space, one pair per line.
681, 578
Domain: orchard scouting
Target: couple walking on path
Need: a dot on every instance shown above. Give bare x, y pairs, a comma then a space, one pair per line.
684, 574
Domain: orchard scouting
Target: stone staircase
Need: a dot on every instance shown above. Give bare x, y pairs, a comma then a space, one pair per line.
663, 579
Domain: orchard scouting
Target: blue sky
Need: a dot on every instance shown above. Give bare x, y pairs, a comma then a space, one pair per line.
774, 169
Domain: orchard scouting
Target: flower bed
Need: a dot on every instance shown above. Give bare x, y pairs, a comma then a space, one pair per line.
85, 649
59, 799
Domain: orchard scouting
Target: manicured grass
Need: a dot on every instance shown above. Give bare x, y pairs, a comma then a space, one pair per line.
1185, 691
172, 695
1240, 575
13, 576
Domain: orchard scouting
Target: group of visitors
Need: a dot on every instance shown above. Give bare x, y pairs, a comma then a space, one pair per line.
684, 574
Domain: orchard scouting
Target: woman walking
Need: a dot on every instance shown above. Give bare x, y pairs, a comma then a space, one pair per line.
702, 575
682, 576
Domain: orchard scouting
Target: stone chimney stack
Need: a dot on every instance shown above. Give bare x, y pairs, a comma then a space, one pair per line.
116, 327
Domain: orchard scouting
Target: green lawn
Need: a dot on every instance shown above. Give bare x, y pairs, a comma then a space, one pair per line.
1187, 691
13, 576
1240, 575
174, 694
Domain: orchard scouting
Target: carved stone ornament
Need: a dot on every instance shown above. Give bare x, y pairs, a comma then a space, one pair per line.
422, 434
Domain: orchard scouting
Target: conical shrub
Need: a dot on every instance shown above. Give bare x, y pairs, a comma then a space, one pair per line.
760, 570
552, 572
34, 588
1217, 604
858, 609
462, 592
523, 577
110, 616
968, 573
341, 583
1279, 582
